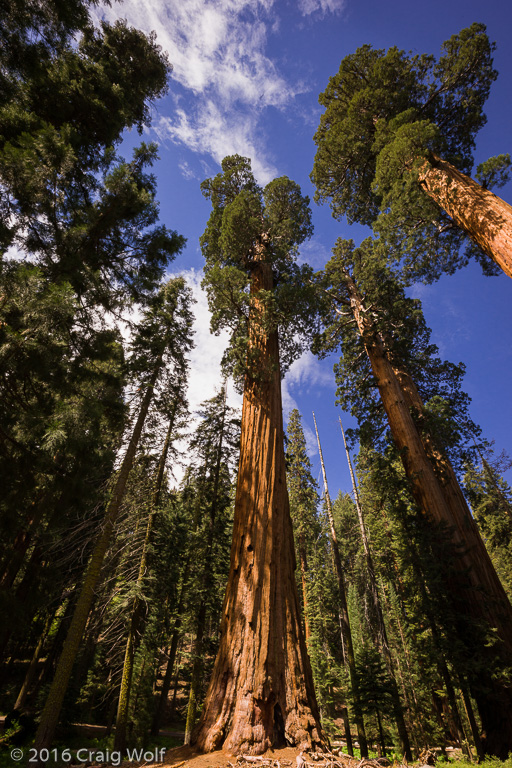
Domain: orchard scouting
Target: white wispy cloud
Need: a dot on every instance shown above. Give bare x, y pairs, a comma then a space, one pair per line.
308, 7
217, 49
305, 376
217, 132
315, 253
205, 358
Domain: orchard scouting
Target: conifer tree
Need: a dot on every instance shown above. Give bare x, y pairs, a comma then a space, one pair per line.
303, 494
216, 444
397, 137
83, 223
381, 632
490, 498
163, 338
346, 631
135, 627
261, 691
399, 363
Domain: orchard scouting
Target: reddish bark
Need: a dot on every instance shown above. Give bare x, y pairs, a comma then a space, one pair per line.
261, 692
485, 217
476, 587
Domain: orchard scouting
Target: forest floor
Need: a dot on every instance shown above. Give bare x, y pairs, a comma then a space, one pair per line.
188, 757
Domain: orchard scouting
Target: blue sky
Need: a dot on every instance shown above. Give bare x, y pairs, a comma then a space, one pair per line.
246, 79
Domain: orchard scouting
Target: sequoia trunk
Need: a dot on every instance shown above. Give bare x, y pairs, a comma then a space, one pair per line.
485, 217
261, 692
477, 591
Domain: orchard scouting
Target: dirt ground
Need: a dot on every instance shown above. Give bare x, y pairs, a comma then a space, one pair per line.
187, 757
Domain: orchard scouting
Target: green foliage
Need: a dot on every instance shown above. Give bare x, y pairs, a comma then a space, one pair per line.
250, 225
386, 114
302, 487
396, 321
494, 172
79, 242
490, 498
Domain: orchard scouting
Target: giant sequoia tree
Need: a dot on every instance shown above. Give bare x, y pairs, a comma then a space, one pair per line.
261, 691
386, 349
397, 137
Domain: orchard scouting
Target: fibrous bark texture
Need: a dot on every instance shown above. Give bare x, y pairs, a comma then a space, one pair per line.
476, 588
485, 217
261, 692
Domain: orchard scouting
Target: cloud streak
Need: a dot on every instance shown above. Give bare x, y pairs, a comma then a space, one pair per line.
217, 49
223, 79
309, 7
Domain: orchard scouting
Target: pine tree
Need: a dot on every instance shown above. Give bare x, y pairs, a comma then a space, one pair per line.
397, 137
137, 619
84, 225
261, 691
216, 445
380, 627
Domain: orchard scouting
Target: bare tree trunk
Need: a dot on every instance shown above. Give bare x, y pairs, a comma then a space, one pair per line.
381, 626
344, 617
51, 712
261, 692
468, 706
486, 218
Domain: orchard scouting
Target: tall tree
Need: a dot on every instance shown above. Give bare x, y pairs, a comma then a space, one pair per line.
261, 692
381, 634
78, 235
397, 136
163, 338
346, 631
303, 495
137, 618
490, 497
391, 334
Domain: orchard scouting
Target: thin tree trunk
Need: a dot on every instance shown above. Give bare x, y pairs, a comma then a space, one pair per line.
197, 668
345, 620
486, 218
34, 662
51, 712
346, 728
123, 705
382, 740
417, 717
475, 732
166, 682
261, 692
382, 633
